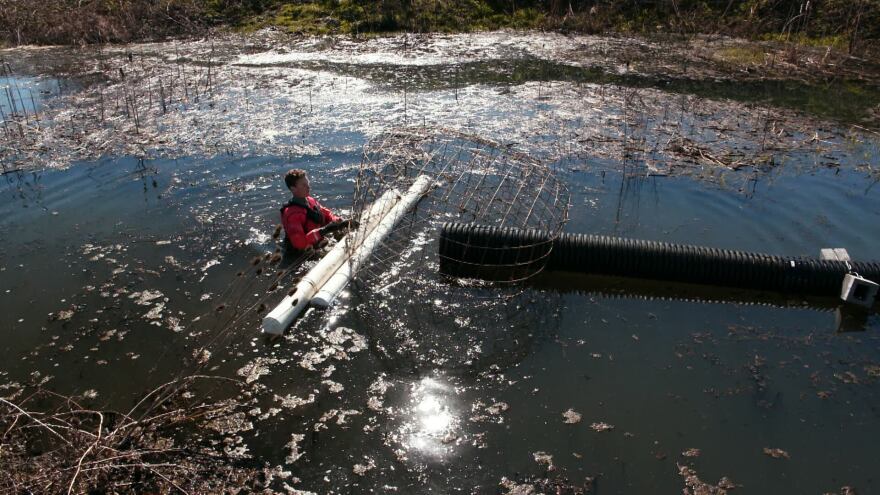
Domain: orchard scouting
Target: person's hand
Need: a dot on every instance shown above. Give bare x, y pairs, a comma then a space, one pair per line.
331, 227
347, 223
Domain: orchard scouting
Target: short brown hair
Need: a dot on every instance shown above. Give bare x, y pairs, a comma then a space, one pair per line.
293, 175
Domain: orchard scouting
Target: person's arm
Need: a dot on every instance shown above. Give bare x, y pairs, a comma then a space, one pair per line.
328, 215
299, 238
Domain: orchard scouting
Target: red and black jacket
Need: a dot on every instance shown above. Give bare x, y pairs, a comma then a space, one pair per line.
302, 218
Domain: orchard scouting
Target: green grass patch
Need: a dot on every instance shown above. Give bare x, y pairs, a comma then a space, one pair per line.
740, 55
357, 17
836, 42
307, 18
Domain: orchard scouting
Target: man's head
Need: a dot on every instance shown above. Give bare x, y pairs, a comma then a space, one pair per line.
298, 183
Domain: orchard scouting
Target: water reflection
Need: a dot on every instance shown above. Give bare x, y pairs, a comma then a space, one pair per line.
24, 96
432, 425
22, 186
847, 318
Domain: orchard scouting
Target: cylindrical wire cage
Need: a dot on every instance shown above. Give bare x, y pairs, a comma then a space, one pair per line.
416, 308
473, 180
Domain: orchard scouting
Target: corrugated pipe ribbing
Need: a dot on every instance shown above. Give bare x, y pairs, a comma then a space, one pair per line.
468, 250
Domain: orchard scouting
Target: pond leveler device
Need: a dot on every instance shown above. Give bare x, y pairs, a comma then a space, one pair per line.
858, 290
854, 289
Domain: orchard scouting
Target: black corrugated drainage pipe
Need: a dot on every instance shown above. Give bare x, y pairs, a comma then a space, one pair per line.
492, 253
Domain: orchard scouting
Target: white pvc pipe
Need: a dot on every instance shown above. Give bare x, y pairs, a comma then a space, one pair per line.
334, 285
292, 305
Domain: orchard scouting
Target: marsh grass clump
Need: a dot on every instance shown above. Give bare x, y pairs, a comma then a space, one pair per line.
741, 55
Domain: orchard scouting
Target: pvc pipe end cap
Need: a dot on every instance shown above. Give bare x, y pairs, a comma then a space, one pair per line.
321, 301
272, 326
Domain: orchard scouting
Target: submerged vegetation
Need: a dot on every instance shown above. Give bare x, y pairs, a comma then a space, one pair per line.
848, 25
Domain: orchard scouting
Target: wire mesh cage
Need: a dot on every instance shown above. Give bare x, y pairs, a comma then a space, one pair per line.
463, 179
424, 309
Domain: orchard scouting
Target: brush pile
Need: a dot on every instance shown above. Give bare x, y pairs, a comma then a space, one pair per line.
51, 443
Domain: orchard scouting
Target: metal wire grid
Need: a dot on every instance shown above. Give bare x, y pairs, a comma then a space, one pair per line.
474, 180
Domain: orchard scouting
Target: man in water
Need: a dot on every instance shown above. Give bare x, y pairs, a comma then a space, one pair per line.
305, 221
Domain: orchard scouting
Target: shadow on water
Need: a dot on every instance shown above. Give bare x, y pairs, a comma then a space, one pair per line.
846, 101
847, 318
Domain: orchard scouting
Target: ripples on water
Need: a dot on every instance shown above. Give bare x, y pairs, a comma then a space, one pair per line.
423, 385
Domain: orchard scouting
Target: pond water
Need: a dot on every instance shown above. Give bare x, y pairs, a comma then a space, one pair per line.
111, 272
26, 94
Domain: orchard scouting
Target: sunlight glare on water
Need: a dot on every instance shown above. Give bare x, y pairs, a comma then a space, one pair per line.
432, 423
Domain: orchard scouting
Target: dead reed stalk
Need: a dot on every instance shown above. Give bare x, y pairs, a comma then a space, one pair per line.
52, 443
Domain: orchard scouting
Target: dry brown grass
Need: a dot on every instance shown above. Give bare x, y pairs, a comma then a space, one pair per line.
96, 21
51, 443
